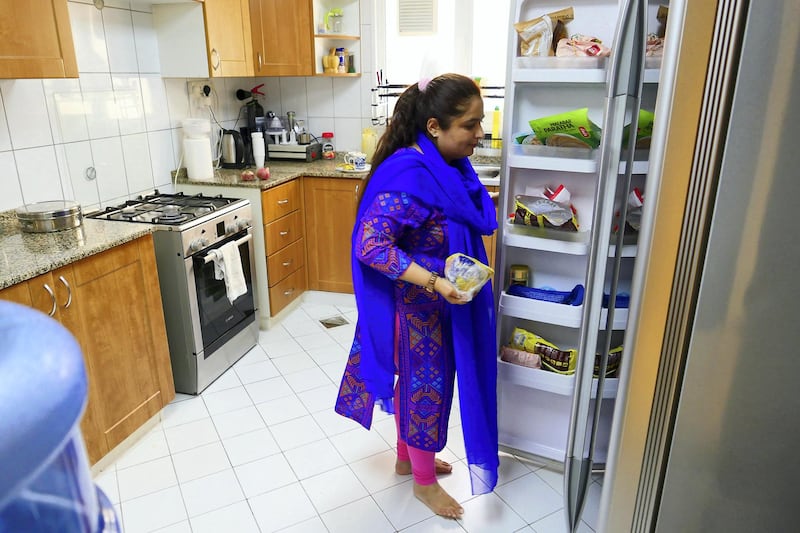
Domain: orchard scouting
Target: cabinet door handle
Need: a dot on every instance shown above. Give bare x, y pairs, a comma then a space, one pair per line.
284, 233
283, 202
52, 298
214, 59
287, 263
287, 293
259, 61
69, 291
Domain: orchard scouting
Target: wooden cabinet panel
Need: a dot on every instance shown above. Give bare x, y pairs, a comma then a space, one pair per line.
287, 291
330, 209
280, 201
36, 40
490, 241
230, 48
283, 232
285, 261
282, 37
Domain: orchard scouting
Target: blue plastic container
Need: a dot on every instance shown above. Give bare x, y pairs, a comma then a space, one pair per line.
45, 481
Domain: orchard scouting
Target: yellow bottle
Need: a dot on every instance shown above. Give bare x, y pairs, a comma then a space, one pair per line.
369, 141
496, 119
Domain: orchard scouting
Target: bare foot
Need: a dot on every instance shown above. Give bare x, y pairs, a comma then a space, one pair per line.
403, 468
438, 500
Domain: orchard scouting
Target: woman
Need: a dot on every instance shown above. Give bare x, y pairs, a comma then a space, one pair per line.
423, 202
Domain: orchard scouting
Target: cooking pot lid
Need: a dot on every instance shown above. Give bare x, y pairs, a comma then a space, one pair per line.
47, 210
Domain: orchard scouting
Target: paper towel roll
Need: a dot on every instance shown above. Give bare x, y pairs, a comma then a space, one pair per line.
197, 154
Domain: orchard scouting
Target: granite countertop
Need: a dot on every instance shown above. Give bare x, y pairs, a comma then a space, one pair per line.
283, 171
26, 255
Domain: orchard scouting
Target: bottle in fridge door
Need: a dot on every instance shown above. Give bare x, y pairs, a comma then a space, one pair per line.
574, 80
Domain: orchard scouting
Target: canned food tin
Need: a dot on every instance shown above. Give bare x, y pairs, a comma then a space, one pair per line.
519, 275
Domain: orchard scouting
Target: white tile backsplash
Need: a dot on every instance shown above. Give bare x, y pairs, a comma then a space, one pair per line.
123, 119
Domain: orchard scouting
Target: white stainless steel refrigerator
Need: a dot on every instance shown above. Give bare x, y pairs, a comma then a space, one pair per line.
697, 431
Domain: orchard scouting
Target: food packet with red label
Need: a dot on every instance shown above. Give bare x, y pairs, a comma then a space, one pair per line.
582, 46
546, 208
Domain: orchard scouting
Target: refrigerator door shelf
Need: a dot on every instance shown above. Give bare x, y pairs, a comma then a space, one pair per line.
570, 316
564, 242
544, 380
572, 70
537, 157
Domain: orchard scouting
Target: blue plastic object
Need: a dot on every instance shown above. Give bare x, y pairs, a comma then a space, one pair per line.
45, 481
573, 297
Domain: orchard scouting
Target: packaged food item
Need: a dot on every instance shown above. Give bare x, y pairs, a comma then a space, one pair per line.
644, 130
520, 357
571, 129
548, 209
581, 46
526, 138
552, 357
536, 36
612, 365
654, 46
467, 274
519, 274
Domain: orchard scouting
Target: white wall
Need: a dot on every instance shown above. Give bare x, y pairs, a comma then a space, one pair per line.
123, 119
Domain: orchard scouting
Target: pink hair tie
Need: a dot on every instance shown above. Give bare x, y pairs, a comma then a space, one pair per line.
423, 84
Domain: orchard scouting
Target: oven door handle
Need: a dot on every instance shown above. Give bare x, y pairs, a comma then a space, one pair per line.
213, 253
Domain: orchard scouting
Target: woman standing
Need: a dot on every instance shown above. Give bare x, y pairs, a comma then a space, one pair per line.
423, 202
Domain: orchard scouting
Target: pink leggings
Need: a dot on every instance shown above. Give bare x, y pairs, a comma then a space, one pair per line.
423, 463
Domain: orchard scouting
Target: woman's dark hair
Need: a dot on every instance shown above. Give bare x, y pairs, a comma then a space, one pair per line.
444, 98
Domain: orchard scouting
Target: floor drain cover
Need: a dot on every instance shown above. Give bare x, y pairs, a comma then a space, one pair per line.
334, 321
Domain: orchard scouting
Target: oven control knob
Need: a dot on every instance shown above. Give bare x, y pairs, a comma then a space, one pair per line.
198, 244
242, 224
230, 228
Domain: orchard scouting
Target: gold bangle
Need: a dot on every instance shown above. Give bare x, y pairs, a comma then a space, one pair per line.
432, 282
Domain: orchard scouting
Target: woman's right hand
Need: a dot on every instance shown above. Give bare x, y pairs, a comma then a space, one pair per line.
449, 291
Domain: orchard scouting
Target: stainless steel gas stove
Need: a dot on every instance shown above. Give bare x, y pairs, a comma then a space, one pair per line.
207, 332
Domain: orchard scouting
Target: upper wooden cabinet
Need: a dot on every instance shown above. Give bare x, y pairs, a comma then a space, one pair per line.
36, 40
227, 37
282, 37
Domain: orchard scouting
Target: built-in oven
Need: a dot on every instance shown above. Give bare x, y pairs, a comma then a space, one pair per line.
206, 332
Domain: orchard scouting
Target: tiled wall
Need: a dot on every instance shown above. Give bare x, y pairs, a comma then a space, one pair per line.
121, 118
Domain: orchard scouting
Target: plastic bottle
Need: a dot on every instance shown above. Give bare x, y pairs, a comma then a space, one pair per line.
496, 119
328, 151
259, 150
369, 141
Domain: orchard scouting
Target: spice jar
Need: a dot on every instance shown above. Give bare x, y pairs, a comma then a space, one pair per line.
519, 275
328, 151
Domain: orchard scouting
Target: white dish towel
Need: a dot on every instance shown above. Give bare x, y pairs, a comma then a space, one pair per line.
228, 266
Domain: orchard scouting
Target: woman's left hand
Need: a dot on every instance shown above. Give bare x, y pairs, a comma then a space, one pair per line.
449, 292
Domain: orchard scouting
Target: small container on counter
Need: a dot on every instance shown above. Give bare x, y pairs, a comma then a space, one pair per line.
519, 274
328, 150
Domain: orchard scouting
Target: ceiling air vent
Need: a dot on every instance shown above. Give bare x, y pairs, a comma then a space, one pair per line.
417, 17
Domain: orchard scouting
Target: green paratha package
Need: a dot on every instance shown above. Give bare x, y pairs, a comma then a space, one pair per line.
572, 129
644, 130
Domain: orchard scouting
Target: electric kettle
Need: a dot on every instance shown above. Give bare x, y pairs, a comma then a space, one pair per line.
233, 153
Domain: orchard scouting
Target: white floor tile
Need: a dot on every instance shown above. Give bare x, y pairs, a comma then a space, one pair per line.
376, 472
281, 348
334, 370
359, 443
211, 492
400, 505
274, 333
181, 412
107, 481
332, 423
557, 523
435, 524
296, 432
181, 527
334, 488
265, 475
314, 458
457, 483
227, 400
257, 371
146, 478
300, 329
316, 340
330, 353
228, 380
518, 495
281, 410
250, 446
510, 469
307, 379
282, 508
591, 509
255, 355
295, 362
237, 517
455, 441
554, 478
152, 446
318, 311
314, 525
237, 422
268, 389
157, 510
191, 435
361, 515
319, 398
489, 514
200, 462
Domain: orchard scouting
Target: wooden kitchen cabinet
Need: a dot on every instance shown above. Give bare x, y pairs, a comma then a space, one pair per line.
330, 206
228, 30
111, 303
36, 40
281, 212
282, 38
490, 241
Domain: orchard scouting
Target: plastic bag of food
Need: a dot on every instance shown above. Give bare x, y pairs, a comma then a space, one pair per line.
520, 357
612, 365
572, 129
581, 46
467, 274
526, 137
537, 36
644, 130
546, 209
552, 357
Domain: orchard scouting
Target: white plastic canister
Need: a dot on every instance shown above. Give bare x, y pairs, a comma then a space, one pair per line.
197, 149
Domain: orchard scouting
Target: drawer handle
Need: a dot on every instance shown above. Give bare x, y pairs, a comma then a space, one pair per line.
282, 202
287, 293
284, 233
214, 59
287, 263
260, 64
69, 291
52, 298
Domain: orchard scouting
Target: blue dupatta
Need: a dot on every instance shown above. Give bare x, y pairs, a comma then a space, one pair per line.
456, 190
